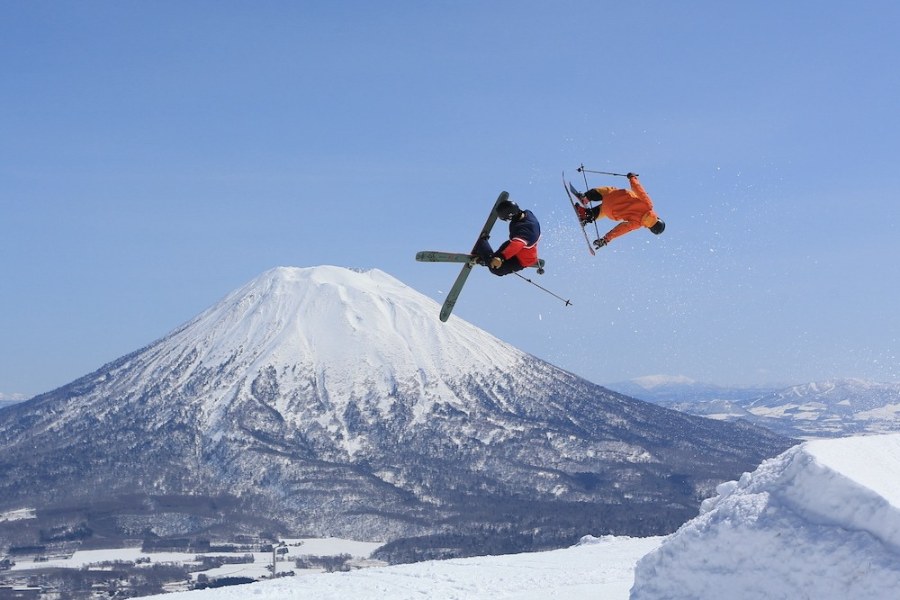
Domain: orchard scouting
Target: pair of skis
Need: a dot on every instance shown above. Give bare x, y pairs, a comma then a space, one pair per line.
469, 260
461, 257
575, 199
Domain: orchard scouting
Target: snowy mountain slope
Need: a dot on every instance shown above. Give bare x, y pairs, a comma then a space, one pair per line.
674, 391
324, 401
822, 520
834, 408
10, 399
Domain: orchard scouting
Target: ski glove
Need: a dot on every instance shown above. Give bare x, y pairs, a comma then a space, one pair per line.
600, 243
496, 262
630, 175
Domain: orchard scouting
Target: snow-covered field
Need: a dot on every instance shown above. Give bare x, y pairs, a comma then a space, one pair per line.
258, 569
821, 521
18, 515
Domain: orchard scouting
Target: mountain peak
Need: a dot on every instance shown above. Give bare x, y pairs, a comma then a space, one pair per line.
335, 336
347, 319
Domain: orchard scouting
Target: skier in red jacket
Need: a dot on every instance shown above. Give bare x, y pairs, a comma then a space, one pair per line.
520, 250
632, 207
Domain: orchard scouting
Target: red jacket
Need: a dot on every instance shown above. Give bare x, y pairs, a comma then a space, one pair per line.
523, 238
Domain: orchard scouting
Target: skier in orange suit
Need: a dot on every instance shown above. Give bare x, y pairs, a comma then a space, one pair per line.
632, 207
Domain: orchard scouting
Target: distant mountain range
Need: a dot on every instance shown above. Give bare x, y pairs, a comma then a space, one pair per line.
837, 408
330, 402
10, 399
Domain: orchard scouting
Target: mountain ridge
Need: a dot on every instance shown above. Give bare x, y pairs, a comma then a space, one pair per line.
832, 408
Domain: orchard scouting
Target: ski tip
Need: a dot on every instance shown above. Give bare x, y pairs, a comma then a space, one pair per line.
445, 312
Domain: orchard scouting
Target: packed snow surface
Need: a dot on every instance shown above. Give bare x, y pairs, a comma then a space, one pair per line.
821, 520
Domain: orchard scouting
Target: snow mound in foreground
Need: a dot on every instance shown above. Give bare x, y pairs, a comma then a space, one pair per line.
822, 520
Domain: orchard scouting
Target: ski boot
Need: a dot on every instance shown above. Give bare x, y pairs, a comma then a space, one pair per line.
585, 215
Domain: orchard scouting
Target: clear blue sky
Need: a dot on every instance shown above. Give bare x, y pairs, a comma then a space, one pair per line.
155, 156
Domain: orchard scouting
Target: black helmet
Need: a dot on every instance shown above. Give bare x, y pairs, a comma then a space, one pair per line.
659, 227
507, 209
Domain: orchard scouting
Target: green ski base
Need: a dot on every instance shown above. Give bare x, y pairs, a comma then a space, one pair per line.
453, 295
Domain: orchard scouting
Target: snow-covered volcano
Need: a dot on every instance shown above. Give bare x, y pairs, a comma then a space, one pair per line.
330, 401
346, 338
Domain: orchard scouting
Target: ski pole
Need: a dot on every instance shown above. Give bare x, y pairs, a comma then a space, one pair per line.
583, 176
583, 170
568, 303
587, 187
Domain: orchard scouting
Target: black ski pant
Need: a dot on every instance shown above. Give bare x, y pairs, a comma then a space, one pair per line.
485, 253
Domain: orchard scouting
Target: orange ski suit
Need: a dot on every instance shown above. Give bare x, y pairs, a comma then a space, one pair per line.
633, 207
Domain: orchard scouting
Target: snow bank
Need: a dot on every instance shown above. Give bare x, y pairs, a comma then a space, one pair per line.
821, 520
